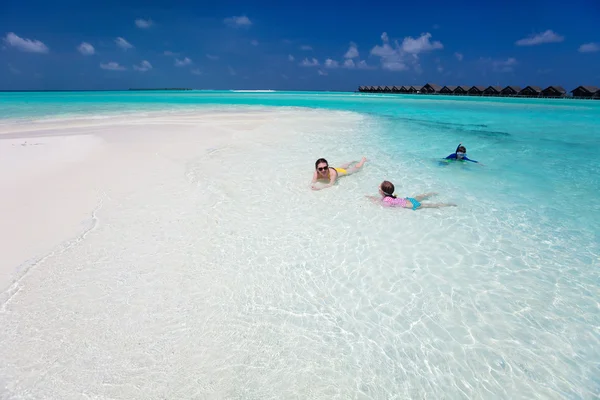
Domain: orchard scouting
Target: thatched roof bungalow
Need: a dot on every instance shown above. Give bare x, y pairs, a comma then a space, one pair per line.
448, 89
585, 91
396, 89
554, 91
531, 91
379, 89
404, 89
431, 88
510, 91
476, 90
462, 89
415, 89
362, 89
492, 91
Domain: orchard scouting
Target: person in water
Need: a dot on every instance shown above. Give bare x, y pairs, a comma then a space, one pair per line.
323, 172
460, 154
389, 199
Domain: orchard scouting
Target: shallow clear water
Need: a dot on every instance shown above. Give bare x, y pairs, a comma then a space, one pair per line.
323, 294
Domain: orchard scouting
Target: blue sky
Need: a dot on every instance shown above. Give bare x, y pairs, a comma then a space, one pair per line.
309, 45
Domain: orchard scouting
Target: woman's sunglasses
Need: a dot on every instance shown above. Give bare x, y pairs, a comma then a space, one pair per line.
323, 168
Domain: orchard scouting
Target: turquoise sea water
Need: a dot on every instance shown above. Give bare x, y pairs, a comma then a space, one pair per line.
497, 298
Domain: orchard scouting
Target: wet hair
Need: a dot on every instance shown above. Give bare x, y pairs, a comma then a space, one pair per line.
388, 188
319, 161
461, 149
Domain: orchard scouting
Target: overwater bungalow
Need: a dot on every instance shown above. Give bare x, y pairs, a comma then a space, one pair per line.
531, 91
448, 89
379, 89
404, 89
492, 91
362, 89
415, 89
554, 91
476, 90
510, 91
462, 89
586, 92
431, 88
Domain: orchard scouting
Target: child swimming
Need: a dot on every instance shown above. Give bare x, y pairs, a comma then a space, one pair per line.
389, 199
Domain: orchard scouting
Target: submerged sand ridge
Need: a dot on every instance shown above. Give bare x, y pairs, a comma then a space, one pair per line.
54, 175
140, 192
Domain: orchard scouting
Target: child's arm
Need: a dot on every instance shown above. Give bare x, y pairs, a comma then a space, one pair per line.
374, 199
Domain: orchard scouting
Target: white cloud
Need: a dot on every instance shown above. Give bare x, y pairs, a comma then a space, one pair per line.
112, 66
231, 71
196, 71
291, 57
241, 21
504, 65
143, 23
306, 47
440, 68
400, 57
309, 63
500, 65
27, 45
329, 63
212, 57
143, 67
548, 36
170, 53
122, 43
322, 73
459, 56
391, 59
589, 48
349, 64
182, 63
420, 44
86, 49
254, 42
363, 65
352, 51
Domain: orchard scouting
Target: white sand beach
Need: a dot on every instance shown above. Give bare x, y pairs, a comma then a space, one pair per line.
56, 174
97, 210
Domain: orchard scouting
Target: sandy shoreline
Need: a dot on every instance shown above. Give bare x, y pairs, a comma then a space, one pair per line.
56, 173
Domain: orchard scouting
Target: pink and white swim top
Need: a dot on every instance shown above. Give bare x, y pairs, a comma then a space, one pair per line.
402, 202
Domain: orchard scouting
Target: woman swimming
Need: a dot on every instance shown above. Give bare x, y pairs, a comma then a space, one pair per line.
324, 172
389, 199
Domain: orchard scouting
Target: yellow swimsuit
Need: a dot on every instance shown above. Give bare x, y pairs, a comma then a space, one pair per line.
340, 171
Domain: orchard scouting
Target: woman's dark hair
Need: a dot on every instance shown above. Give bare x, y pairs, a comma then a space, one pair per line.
461, 149
388, 188
319, 161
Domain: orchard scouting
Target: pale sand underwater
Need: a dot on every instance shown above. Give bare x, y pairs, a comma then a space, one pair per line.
183, 255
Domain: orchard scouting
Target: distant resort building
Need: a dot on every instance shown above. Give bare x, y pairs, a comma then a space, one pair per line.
554, 91
476, 90
492, 91
586, 92
581, 92
510, 91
